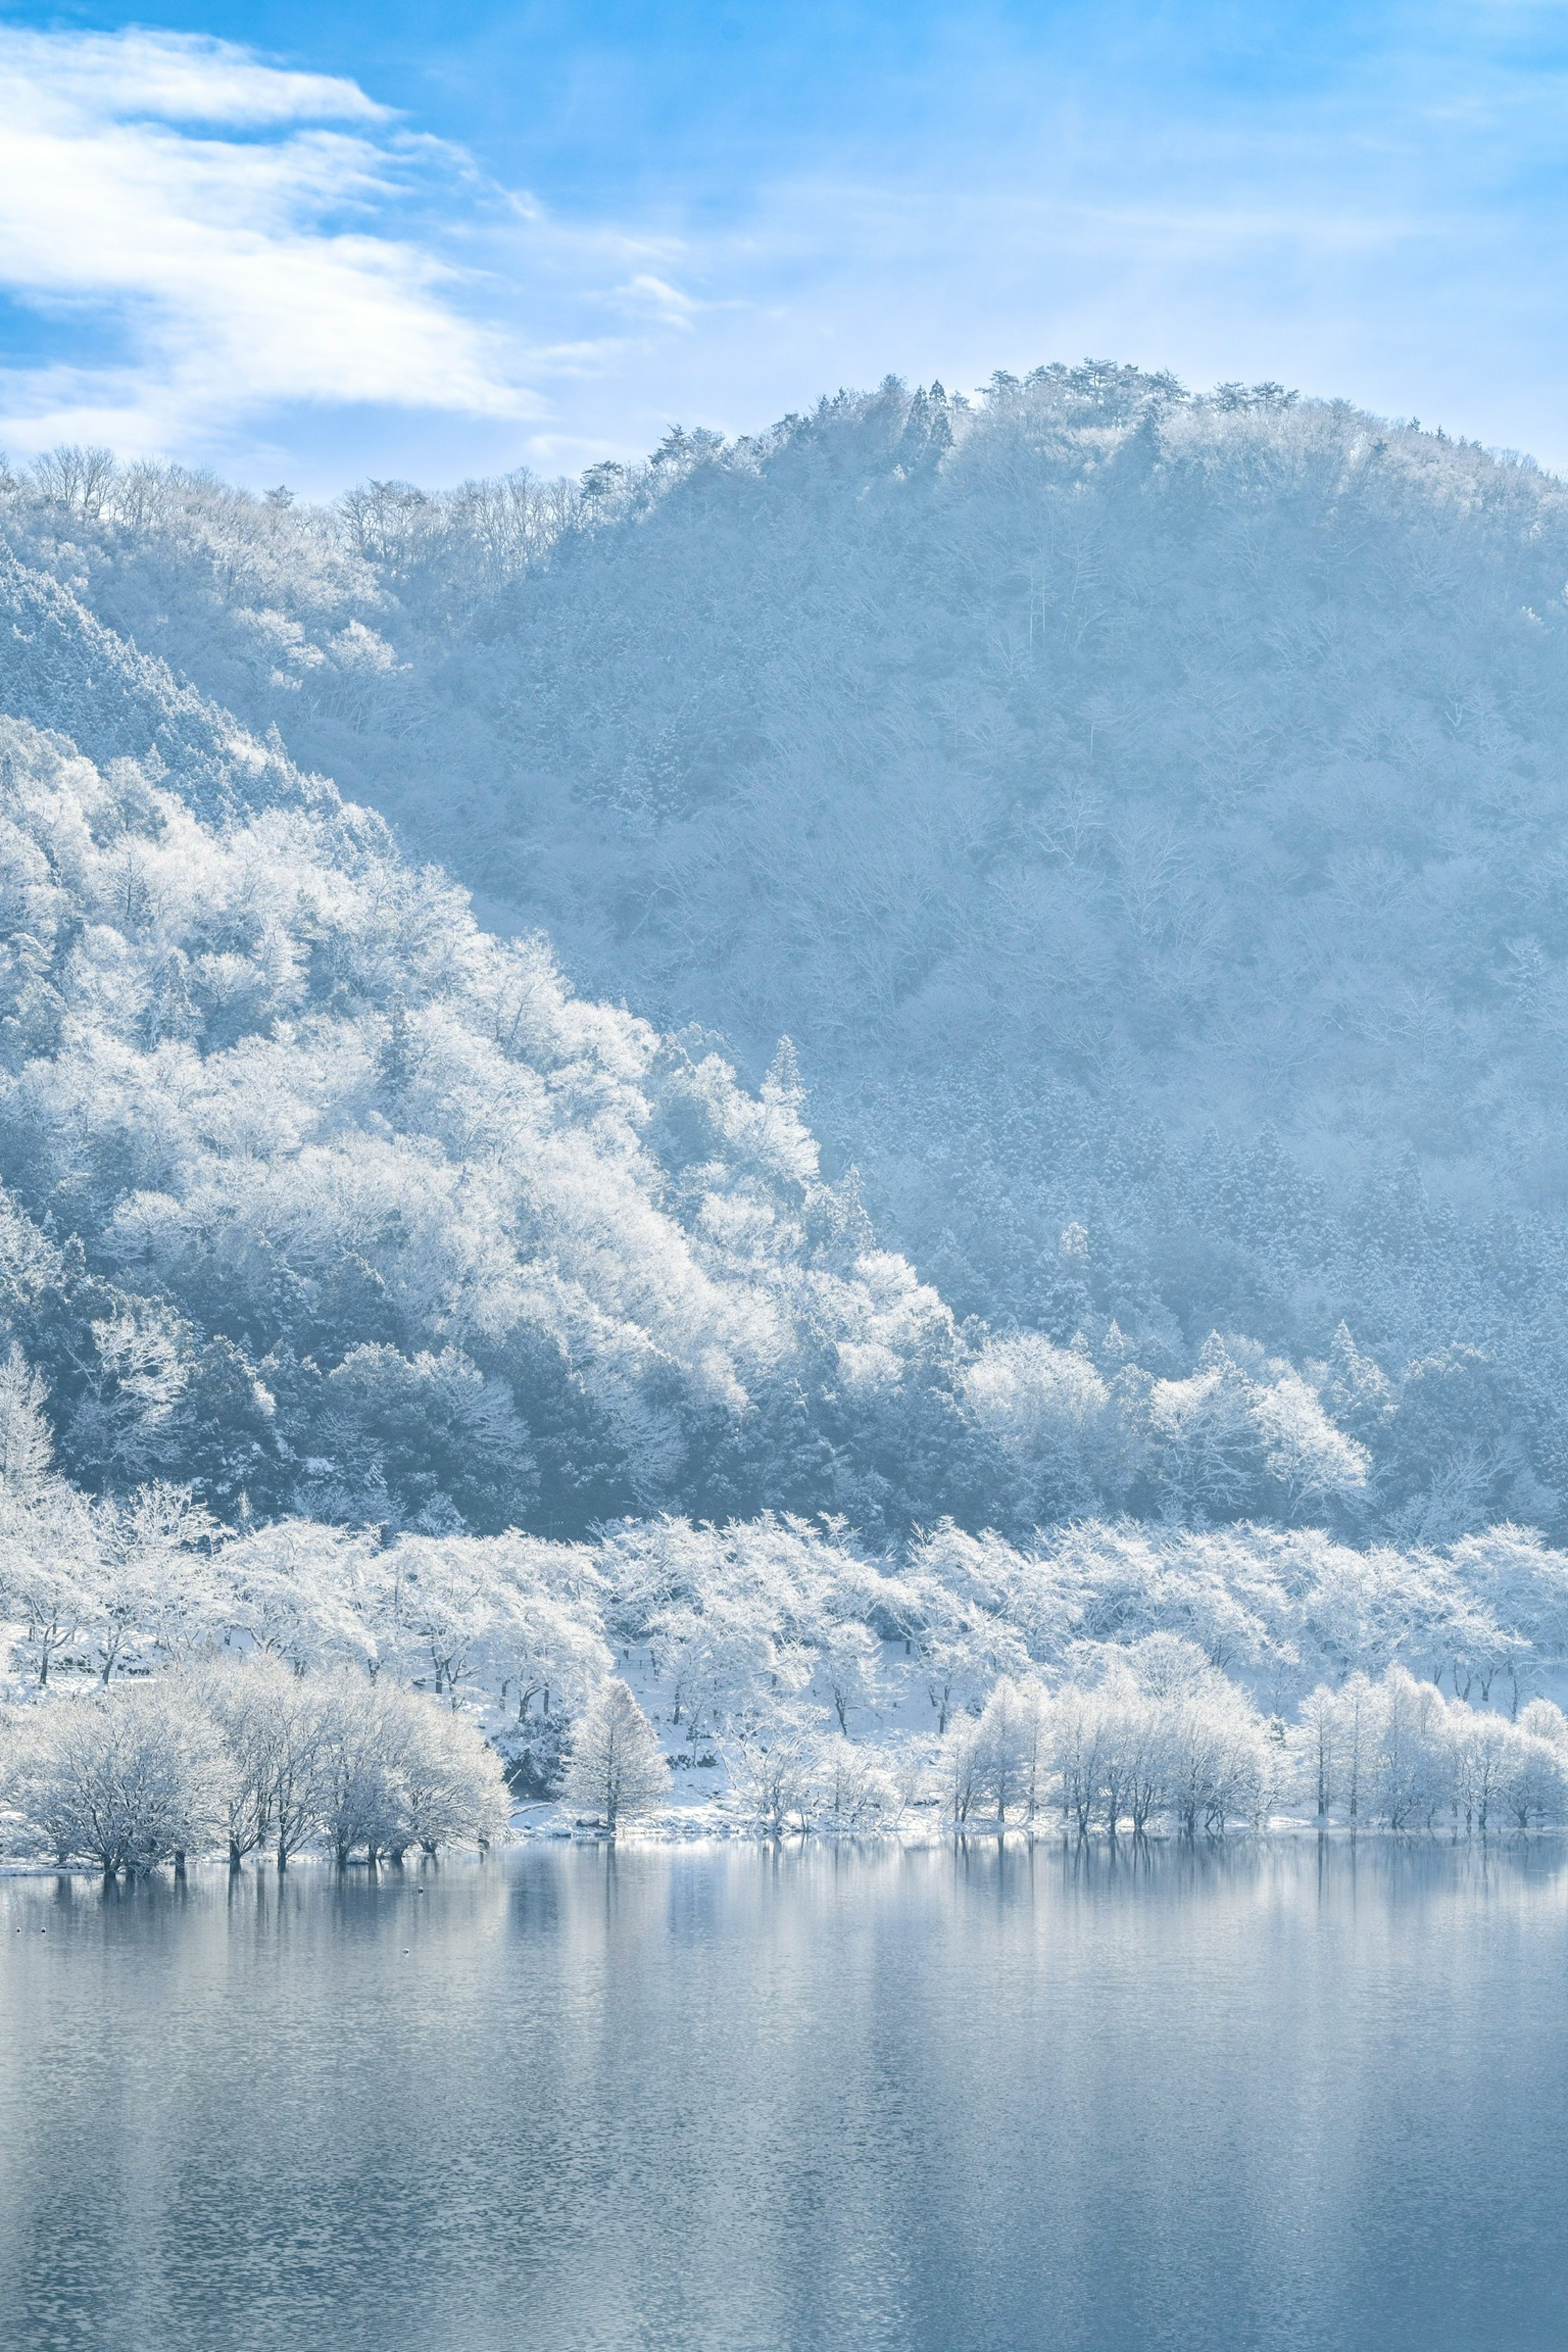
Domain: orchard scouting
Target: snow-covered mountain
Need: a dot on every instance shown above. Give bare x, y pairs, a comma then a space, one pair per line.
1142, 814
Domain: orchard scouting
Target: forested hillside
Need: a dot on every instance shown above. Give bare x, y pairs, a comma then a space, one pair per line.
319, 1199
1144, 815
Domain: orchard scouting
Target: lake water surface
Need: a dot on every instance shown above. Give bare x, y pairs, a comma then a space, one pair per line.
727, 2100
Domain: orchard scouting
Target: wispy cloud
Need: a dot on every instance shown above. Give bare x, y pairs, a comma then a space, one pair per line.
212, 255
242, 229
1367, 203
70, 78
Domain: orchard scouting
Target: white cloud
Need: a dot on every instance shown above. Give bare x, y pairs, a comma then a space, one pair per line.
230, 261
168, 78
648, 294
240, 272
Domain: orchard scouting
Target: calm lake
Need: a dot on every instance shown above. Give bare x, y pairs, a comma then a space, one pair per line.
726, 2100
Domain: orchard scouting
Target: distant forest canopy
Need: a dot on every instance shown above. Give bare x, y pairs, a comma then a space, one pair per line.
1143, 814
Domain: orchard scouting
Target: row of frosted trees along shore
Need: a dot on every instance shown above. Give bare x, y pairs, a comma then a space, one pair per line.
1159, 1744
242, 1759
252, 1758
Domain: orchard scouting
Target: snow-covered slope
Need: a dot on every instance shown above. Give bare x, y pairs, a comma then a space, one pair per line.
64, 671
320, 1192
1144, 815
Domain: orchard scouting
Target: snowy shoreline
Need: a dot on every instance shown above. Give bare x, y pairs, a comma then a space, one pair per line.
730, 1835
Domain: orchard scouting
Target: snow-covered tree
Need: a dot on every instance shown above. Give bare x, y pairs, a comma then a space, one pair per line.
129, 1778
615, 1767
26, 1441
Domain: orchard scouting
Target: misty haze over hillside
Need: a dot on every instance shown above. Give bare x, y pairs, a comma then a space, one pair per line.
1142, 813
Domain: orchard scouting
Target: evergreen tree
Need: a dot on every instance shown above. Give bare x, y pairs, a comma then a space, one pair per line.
615, 1767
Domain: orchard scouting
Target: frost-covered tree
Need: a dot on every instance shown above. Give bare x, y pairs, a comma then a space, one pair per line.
615, 1767
48, 1569
26, 1441
452, 1791
720, 1661
1009, 1749
252, 1706
964, 1649
129, 1778
846, 1666
776, 1761
852, 1787
393, 1771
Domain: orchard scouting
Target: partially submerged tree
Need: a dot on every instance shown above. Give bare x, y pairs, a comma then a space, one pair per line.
395, 1771
128, 1778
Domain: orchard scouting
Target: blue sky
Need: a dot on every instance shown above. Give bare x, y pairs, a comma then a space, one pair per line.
312, 243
